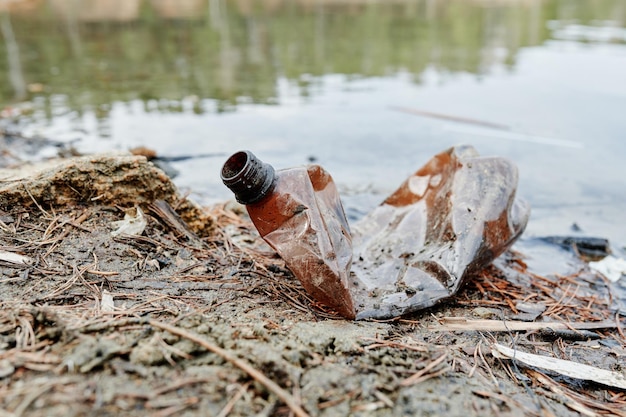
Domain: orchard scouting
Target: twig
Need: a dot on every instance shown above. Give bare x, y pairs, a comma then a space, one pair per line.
231, 403
505, 399
45, 213
100, 326
78, 273
30, 398
168, 216
65, 232
227, 356
392, 344
619, 327
451, 118
493, 377
463, 324
563, 367
568, 401
432, 375
244, 366
175, 409
413, 379
471, 373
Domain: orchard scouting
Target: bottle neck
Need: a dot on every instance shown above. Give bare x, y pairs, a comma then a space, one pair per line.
249, 178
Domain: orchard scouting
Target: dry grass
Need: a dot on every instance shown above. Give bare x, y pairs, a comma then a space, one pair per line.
167, 278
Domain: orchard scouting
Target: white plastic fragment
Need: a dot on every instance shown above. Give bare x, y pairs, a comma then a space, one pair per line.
154, 263
131, 225
6, 368
15, 258
611, 267
106, 303
563, 367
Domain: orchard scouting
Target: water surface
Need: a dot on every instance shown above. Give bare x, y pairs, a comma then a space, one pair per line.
368, 89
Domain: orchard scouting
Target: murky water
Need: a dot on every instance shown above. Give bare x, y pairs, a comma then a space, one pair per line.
369, 89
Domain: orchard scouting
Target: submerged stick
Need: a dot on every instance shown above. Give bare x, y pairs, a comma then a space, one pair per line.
451, 118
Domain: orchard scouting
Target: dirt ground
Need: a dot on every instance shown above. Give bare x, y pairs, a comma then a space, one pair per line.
197, 320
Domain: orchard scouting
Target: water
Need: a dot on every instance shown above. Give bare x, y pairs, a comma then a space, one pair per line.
336, 82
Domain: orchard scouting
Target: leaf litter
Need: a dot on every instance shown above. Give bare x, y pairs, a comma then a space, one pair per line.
181, 321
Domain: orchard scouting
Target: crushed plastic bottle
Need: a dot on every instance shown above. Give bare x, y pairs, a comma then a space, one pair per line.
447, 221
450, 219
298, 212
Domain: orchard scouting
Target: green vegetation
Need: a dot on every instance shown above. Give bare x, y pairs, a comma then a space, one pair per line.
230, 54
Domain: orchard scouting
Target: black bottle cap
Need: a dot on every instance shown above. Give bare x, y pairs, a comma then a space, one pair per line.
248, 177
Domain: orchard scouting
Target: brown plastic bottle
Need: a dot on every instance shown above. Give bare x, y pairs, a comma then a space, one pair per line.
298, 212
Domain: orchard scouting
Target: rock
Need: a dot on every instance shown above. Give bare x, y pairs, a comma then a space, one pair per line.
107, 179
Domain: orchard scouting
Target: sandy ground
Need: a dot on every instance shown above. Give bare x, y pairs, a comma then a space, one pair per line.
208, 321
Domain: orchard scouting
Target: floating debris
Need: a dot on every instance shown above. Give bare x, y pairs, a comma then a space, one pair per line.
612, 267
592, 248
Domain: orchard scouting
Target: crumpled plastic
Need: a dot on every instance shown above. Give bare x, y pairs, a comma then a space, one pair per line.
132, 225
612, 267
447, 221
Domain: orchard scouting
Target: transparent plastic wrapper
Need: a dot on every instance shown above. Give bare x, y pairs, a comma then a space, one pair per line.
448, 220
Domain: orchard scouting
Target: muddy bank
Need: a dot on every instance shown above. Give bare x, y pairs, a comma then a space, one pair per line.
161, 323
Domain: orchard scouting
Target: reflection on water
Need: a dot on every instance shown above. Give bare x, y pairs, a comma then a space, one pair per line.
323, 79
96, 52
14, 70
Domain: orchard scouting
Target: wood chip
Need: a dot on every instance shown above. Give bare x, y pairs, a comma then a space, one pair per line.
106, 303
563, 367
15, 258
463, 324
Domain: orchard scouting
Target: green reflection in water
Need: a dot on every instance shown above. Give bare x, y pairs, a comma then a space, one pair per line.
91, 53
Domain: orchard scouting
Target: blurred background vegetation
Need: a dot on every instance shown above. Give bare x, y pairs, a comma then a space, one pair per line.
91, 53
